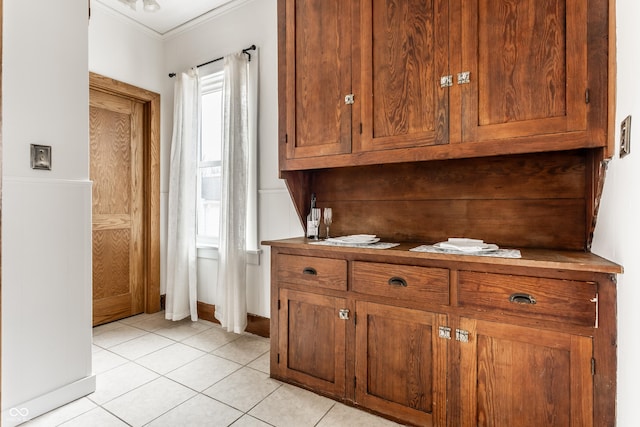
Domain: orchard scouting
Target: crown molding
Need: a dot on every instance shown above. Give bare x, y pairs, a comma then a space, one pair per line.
97, 4
203, 19
187, 26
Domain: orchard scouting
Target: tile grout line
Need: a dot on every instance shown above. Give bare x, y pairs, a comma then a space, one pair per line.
194, 378
164, 375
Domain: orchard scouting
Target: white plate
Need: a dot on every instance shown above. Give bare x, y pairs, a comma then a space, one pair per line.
485, 247
356, 239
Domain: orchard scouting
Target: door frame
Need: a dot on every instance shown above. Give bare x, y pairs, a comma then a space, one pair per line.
151, 185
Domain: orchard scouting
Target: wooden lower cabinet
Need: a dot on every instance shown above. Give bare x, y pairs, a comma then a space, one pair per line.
311, 350
401, 363
449, 342
519, 377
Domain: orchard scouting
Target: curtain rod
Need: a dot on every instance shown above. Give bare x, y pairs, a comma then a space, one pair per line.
252, 47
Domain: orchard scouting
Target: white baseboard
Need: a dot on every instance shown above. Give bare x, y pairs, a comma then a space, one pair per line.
41, 405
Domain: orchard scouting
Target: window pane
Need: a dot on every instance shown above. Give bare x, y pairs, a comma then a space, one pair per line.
210, 149
209, 179
210, 156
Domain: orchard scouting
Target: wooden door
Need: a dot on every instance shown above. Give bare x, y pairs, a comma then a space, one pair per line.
318, 77
311, 347
117, 172
401, 363
519, 377
527, 61
404, 49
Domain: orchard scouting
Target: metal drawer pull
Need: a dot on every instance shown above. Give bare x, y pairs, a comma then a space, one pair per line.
310, 270
518, 298
397, 281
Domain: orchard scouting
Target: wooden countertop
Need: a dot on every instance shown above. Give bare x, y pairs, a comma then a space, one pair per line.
537, 258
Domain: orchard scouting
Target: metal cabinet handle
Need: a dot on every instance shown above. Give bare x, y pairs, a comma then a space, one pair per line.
519, 298
397, 281
310, 270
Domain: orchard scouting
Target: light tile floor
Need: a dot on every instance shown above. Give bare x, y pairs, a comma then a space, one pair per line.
154, 372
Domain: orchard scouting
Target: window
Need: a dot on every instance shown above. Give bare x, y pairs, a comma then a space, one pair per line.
210, 160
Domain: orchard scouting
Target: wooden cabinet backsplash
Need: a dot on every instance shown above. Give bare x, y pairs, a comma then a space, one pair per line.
543, 200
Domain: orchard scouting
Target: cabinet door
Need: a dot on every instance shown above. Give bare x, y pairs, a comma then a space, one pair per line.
518, 377
318, 67
401, 363
403, 54
527, 61
311, 348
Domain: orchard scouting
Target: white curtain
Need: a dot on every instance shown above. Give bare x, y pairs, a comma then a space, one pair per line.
181, 297
231, 298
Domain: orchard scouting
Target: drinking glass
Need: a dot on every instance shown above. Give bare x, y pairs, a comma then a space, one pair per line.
328, 218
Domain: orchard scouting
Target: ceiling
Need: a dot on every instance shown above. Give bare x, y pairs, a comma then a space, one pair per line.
172, 13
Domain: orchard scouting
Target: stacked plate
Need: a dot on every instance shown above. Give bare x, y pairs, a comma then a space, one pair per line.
466, 245
355, 239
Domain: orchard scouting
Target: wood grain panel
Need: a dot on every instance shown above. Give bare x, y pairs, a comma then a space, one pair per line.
151, 202
534, 176
110, 136
534, 200
528, 65
403, 67
111, 268
137, 248
312, 271
319, 34
518, 397
565, 301
109, 310
117, 164
311, 357
320, 362
426, 285
512, 223
396, 352
605, 352
404, 50
386, 337
527, 81
110, 222
520, 377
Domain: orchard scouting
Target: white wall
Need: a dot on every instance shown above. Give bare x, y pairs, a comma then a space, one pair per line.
124, 51
130, 53
618, 230
46, 215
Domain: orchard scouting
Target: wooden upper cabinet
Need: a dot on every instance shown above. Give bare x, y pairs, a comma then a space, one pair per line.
318, 77
536, 69
403, 53
527, 65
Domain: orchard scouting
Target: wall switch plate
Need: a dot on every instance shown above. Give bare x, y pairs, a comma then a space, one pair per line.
625, 137
40, 157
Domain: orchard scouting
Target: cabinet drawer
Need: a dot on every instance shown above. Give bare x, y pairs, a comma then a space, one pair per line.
420, 284
541, 298
312, 271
